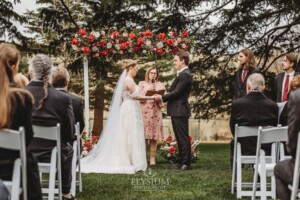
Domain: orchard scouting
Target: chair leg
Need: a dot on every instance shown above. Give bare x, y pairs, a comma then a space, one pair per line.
239, 179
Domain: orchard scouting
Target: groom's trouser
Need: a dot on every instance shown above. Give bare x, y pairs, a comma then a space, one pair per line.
181, 130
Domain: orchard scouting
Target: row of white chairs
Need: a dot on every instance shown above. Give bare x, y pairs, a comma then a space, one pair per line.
263, 165
15, 140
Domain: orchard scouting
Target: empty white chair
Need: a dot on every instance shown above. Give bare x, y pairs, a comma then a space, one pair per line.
239, 159
295, 185
75, 162
51, 133
15, 140
273, 135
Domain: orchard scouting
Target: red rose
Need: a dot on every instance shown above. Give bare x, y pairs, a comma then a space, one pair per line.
74, 41
148, 33
131, 36
84, 133
174, 34
162, 36
91, 38
124, 45
170, 42
140, 41
103, 43
115, 34
141, 34
82, 31
121, 40
104, 52
191, 138
172, 149
86, 50
88, 144
159, 51
184, 34
170, 138
137, 48
95, 138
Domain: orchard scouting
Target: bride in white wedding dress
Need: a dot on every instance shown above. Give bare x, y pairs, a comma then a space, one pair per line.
121, 147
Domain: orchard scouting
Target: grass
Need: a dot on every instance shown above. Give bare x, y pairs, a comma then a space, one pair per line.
209, 179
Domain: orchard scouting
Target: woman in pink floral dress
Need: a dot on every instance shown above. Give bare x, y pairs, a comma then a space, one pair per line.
151, 110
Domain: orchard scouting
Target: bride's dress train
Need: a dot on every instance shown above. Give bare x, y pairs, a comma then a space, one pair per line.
121, 148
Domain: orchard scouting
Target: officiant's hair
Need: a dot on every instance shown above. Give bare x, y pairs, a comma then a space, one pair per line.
148, 71
41, 67
60, 77
126, 64
183, 55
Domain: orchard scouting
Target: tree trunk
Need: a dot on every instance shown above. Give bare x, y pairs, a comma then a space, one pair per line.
98, 110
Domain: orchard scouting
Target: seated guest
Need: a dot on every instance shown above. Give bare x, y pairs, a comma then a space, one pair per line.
60, 80
16, 109
284, 169
254, 109
51, 107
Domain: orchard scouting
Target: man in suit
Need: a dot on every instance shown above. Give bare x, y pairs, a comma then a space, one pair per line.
51, 107
283, 80
60, 81
284, 170
179, 109
254, 109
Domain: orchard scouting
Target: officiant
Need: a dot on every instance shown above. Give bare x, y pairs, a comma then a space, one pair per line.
151, 110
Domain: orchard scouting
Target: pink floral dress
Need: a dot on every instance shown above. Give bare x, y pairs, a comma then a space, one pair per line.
152, 115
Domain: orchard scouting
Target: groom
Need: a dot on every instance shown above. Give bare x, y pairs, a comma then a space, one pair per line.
179, 109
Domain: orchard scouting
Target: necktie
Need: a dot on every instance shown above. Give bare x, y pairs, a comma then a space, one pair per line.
245, 72
286, 88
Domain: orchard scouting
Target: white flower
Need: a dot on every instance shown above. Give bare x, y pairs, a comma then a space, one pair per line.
103, 33
173, 143
148, 43
97, 34
175, 44
94, 49
144, 51
160, 45
117, 46
170, 34
183, 46
74, 47
179, 39
125, 34
109, 45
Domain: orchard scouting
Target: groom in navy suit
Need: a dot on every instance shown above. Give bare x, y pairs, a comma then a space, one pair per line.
179, 109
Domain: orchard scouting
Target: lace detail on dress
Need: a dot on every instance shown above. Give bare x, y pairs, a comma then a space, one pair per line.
128, 96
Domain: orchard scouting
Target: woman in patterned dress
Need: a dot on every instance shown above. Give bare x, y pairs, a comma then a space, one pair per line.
152, 115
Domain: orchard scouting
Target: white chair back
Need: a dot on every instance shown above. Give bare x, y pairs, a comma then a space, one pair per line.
15, 140
51, 133
273, 135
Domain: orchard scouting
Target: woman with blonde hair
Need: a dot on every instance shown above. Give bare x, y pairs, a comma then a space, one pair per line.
152, 115
16, 110
121, 147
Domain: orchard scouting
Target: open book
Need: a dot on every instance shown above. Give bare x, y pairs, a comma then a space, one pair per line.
153, 92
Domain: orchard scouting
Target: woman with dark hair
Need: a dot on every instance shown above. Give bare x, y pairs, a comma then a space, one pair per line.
16, 109
247, 67
152, 116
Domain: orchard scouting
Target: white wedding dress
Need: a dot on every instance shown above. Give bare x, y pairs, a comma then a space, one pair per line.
121, 147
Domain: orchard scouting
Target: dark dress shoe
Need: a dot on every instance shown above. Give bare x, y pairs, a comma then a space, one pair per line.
185, 167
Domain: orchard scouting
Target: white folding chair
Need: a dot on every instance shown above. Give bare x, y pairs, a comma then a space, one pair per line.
294, 187
75, 162
51, 133
273, 135
15, 140
239, 159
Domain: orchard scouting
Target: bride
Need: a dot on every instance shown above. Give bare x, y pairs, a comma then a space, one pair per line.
121, 147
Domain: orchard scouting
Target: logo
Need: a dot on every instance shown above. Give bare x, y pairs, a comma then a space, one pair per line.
151, 181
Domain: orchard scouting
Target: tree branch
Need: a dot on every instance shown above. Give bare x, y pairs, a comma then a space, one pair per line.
69, 13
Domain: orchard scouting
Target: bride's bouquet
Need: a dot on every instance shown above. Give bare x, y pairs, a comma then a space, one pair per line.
169, 149
88, 143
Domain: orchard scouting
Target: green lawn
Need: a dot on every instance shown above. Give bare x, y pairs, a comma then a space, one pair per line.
209, 179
